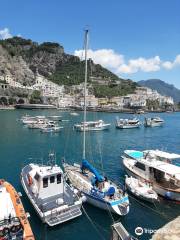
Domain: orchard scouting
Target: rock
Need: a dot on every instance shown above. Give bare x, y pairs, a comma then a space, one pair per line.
171, 231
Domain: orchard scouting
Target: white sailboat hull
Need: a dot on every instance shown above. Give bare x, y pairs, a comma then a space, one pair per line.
104, 205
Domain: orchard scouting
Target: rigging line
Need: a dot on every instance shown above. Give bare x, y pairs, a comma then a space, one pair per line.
156, 211
93, 224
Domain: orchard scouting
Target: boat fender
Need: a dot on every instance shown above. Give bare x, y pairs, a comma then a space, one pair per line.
83, 199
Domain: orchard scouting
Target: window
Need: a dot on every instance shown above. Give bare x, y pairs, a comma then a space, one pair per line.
45, 182
140, 166
37, 177
52, 179
58, 178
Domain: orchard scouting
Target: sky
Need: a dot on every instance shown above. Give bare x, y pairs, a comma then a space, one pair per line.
135, 39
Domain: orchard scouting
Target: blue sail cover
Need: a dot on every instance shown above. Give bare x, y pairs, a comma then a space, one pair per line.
87, 165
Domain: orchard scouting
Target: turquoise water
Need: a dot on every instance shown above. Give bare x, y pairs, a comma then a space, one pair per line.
19, 146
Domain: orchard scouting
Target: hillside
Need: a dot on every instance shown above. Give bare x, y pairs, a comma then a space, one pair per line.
162, 87
21, 58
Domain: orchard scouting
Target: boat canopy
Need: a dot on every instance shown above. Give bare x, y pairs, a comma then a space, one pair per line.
87, 165
162, 154
167, 168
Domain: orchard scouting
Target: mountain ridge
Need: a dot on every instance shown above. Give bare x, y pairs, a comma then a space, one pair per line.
162, 87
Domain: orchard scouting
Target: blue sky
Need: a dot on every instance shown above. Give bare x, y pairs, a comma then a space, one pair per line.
136, 39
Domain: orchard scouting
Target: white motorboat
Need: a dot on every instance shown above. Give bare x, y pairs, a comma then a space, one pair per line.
39, 123
140, 189
97, 190
51, 127
153, 122
74, 114
14, 223
32, 120
92, 126
164, 177
53, 199
154, 154
127, 123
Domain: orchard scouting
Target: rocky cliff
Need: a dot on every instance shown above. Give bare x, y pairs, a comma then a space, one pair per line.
21, 58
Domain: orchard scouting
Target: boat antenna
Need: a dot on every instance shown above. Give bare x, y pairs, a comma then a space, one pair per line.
85, 87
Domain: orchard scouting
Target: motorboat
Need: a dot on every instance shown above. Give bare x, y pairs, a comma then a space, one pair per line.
127, 123
74, 114
14, 223
142, 190
94, 187
154, 154
92, 126
51, 127
53, 199
39, 123
153, 122
97, 189
32, 119
164, 177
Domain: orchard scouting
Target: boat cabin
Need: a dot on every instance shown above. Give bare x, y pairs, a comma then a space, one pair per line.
46, 181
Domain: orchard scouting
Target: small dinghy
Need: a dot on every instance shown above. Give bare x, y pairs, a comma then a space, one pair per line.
141, 189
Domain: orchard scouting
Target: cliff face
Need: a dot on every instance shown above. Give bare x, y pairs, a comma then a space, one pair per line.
21, 58
16, 67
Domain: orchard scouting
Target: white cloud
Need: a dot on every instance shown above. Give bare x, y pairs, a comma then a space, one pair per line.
170, 65
4, 33
116, 62
140, 64
106, 57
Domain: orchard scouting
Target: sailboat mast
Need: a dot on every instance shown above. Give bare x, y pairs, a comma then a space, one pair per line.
85, 86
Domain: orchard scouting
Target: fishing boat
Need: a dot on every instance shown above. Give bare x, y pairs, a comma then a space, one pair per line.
127, 123
154, 154
164, 177
92, 126
153, 122
96, 189
53, 199
141, 189
13, 218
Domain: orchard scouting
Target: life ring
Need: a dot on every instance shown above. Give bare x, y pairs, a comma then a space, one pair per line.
30, 180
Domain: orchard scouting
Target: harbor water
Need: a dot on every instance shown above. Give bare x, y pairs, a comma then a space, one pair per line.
20, 146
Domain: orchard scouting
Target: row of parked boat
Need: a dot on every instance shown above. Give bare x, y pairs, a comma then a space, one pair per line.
50, 124
135, 122
57, 195
45, 124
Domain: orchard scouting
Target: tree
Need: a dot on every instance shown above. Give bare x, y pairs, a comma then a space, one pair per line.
36, 97
12, 101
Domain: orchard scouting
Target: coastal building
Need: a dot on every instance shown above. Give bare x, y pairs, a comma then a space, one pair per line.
91, 101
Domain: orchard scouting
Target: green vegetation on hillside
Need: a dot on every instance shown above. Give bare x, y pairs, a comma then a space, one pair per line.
122, 89
36, 97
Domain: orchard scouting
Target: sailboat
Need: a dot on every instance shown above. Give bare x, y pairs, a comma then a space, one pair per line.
96, 189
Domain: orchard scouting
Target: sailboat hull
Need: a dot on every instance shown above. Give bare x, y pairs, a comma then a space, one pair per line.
114, 208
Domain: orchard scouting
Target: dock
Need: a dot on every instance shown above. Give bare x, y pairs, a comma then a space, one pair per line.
120, 233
